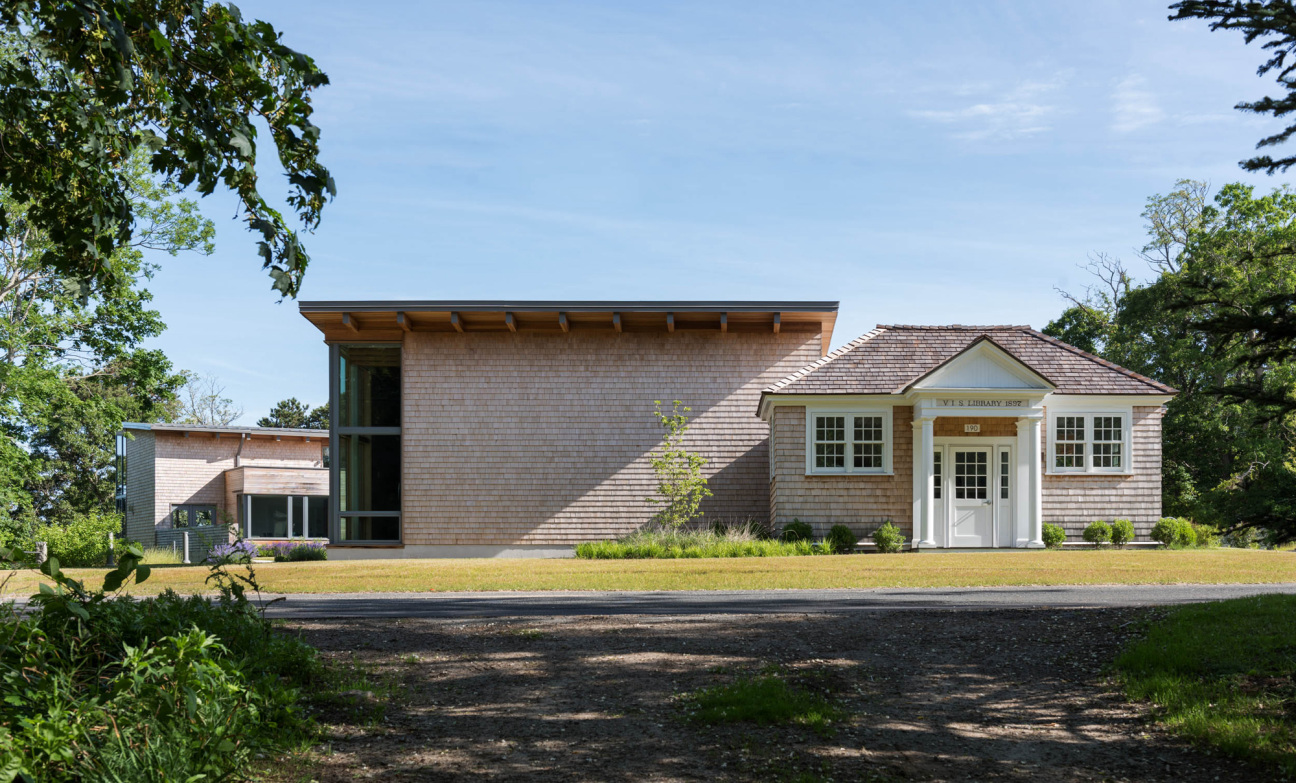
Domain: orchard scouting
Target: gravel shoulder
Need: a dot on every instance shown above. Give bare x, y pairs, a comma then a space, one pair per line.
1004, 694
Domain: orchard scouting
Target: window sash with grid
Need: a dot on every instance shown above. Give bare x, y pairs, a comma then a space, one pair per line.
849, 443
1085, 443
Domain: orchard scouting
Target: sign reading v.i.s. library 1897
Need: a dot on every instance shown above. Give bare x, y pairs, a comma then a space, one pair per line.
957, 402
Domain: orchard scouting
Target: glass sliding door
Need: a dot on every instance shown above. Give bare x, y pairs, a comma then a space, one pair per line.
285, 516
365, 450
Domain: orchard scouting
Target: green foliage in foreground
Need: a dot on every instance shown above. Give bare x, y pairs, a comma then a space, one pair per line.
98, 686
1054, 536
766, 699
688, 543
1220, 675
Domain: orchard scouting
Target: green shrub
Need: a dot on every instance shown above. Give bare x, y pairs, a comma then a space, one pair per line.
796, 530
1122, 532
82, 542
1174, 532
888, 538
1054, 536
1098, 533
840, 540
1207, 535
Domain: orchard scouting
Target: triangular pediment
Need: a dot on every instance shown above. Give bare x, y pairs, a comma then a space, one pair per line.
983, 365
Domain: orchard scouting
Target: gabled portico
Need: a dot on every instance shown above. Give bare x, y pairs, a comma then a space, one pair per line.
973, 489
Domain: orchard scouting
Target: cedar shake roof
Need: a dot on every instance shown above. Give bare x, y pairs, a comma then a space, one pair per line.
890, 358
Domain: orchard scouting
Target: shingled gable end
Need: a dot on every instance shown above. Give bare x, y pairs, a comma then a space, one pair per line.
524, 428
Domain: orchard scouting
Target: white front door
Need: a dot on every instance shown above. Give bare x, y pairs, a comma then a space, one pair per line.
972, 512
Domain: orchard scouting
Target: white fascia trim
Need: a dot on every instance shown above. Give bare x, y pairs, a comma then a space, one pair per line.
1104, 402
771, 401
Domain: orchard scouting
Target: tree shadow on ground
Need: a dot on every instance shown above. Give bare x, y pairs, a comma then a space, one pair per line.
932, 695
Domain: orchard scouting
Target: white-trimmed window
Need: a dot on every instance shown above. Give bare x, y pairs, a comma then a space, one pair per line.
848, 441
1089, 442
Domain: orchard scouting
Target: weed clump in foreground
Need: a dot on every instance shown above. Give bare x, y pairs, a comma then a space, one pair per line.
765, 699
1220, 675
732, 541
98, 686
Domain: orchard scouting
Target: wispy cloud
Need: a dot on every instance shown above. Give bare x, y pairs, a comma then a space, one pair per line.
1133, 105
1022, 111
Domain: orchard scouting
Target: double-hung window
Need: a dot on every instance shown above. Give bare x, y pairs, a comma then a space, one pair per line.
848, 442
1089, 443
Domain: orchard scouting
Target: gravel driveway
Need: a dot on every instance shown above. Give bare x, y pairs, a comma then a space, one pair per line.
1004, 694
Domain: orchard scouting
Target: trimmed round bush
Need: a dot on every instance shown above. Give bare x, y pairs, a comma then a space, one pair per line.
840, 540
1122, 532
1054, 536
1098, 533
888, 538
796, 530
1174, 532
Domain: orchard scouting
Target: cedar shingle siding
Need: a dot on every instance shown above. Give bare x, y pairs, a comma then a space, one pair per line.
542, 439
862, 503
1073, 501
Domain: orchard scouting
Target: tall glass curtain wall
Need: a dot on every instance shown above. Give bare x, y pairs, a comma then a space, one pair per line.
367, 432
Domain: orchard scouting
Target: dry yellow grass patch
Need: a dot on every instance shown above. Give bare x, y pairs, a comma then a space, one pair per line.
934, 569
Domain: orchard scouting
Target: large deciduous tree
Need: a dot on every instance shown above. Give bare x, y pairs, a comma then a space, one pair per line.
86, 84
1229, 440
71, 366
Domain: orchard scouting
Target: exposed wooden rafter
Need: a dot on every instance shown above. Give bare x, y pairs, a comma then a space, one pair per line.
724, 322
456, 322
510, 322
777, 320
349, 322
562, 322
670, 322
616, 321
404, 322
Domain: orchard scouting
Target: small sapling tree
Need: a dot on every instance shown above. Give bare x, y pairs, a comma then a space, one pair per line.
681, 487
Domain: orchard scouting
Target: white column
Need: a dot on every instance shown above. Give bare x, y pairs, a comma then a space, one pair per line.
1035, 491
925, 449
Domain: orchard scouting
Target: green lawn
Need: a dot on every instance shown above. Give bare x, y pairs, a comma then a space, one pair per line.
944, 569
1221, 675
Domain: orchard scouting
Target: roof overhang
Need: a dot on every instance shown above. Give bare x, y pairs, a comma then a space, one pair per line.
251, 432
389, 321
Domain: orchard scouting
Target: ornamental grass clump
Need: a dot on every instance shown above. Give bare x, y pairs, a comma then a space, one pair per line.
733, 541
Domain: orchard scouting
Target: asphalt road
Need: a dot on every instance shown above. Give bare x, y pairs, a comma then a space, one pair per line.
505, 604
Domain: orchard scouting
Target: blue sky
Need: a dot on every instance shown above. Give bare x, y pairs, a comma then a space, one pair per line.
921, 162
